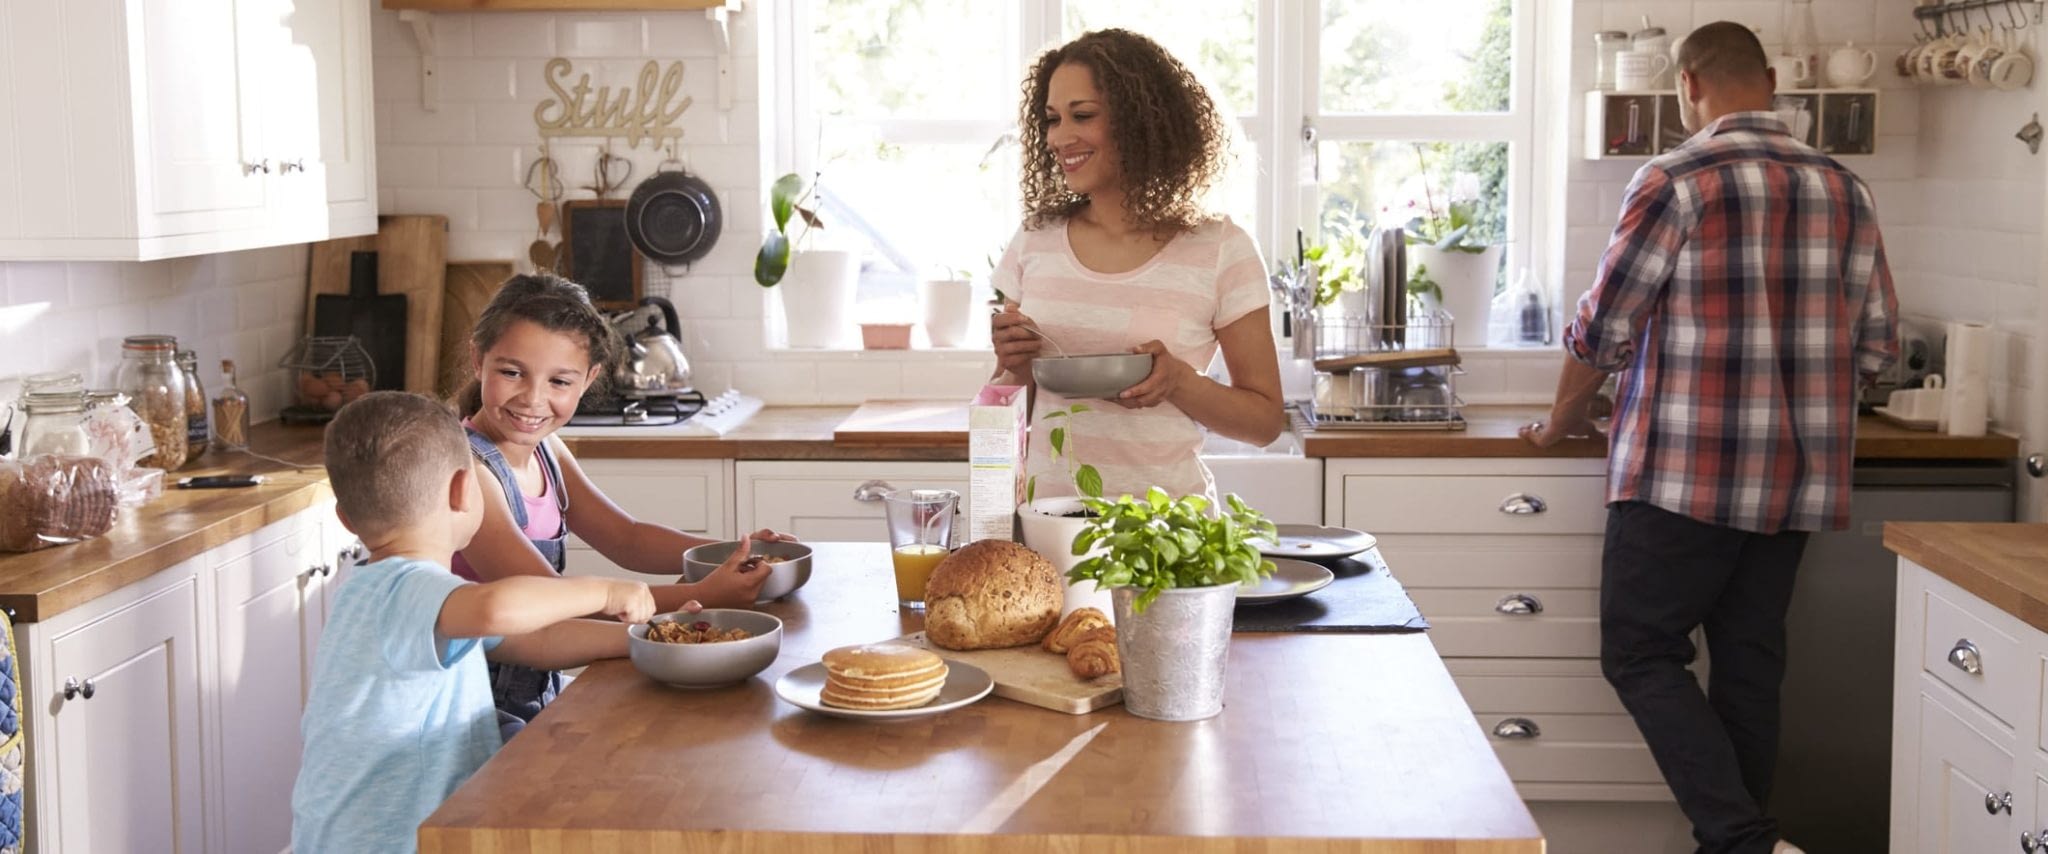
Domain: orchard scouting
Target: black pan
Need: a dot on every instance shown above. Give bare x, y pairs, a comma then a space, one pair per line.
673, 218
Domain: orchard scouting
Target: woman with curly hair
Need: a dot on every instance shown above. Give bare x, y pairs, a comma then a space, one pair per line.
1117, 254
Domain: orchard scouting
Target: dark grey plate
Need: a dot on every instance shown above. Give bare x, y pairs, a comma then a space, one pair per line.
1290, 578
1315, 542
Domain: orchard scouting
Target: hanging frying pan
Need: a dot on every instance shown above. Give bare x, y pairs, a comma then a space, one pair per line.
673, 217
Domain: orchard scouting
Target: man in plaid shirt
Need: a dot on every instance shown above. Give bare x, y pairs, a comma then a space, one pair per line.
1744, 292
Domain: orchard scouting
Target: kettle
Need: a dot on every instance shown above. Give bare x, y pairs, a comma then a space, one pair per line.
652, 362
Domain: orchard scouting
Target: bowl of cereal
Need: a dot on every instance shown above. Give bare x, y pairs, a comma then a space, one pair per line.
716, 646
789, 565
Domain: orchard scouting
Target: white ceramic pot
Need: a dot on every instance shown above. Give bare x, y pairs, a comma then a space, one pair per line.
948, 304
816, 298
1468, 280
1049, 532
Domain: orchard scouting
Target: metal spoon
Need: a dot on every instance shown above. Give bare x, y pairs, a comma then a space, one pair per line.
1047, 339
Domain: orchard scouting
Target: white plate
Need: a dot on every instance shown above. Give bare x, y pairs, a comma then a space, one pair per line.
965, 683
1290, 578
1887, 414
1314, 542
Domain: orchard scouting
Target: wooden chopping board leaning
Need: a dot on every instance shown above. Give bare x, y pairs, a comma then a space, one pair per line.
412, 255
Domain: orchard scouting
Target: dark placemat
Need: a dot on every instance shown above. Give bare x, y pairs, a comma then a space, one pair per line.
1364, 598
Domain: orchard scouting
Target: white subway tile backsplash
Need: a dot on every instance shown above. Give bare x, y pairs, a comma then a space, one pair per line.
1838, 21
478, 80
783, 381
405, 121
856, 380
37, 282
396, 79
481, 167
674, 36
495, 245
459, 206
409, 165
600, 35
509, 34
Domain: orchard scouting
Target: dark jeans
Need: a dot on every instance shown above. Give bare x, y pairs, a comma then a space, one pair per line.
1663, 575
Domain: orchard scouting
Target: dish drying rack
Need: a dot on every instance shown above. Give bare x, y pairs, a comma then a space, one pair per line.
1381, 376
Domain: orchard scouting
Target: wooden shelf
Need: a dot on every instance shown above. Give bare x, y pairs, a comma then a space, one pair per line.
553, 5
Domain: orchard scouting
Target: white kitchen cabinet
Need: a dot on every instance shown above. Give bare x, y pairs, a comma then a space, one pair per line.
161, 128
271, 598
818, 501
692, 496
116, 699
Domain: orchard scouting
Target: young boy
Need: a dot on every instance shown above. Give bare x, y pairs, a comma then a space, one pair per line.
400, 712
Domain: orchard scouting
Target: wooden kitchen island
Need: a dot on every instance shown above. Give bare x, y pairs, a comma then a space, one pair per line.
1327, 743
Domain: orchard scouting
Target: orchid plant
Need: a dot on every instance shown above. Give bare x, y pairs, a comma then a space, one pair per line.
1447, 226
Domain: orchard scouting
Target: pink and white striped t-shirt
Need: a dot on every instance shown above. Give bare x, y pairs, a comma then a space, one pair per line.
1201, 281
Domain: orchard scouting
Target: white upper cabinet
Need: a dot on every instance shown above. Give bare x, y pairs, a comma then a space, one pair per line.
161, 128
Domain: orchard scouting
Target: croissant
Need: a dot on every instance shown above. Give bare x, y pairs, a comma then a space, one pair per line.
1094, 653
1076, 624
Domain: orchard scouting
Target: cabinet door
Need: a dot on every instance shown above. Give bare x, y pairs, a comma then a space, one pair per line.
266, 600
316, 117
1960, 768
692, 496
198, 131
128, 759
815, 501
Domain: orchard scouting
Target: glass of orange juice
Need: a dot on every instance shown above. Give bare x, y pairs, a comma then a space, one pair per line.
920, 529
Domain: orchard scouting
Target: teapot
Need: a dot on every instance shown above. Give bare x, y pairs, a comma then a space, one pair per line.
1850, 65
652, 362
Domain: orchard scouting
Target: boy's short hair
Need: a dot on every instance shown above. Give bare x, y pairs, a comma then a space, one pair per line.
389, 456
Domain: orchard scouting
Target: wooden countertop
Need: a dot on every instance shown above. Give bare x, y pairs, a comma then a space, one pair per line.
2005, 564
178, 525
1327, 743
774, 433
1493, 431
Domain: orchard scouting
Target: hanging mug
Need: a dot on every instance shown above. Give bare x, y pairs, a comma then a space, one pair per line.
2013, 70
1979, 71
1636, 71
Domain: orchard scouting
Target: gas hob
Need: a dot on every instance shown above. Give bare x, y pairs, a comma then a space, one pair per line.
689, 416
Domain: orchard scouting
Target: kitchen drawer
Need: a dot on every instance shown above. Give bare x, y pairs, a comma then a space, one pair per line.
1481, 622
816, 501
687, 495
1494, 560
1555, 722
1476, 504
1957, 641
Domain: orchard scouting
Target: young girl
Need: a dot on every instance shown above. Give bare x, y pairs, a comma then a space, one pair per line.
1117, 254
537, 347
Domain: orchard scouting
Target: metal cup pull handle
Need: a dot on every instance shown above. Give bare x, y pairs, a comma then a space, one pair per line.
1519, 728
1518, 604
1966, 658
1523, 504
873, 490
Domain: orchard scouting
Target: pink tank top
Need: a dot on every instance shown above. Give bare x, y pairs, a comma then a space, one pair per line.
543, 518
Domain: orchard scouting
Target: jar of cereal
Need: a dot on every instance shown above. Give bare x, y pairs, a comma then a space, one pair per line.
155, 385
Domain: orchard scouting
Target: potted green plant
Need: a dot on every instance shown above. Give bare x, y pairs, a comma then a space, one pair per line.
1447, 258
816, 285
1173, 566
1050, 525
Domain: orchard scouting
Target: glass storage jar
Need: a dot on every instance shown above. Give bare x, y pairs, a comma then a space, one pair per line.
53, 423
230, 412
195, 406
155, 386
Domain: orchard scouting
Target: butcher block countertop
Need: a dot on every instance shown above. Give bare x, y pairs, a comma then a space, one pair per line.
1327, 743
177, 526
2005, 564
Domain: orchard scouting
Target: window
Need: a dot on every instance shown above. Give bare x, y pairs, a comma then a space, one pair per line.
905, 108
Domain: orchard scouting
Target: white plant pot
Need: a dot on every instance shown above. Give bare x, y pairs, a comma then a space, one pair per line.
816, 299
1050, 533
1468, 281
947, 307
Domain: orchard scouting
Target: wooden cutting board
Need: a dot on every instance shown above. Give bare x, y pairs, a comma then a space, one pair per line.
1035, 677
412, 254
917, 423
471, 284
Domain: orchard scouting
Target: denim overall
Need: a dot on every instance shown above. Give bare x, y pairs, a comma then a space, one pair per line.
520, 692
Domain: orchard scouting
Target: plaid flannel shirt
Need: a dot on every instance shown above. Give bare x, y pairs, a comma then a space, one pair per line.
1744, 291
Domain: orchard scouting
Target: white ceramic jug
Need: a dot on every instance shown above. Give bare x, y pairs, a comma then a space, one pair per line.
1850, 65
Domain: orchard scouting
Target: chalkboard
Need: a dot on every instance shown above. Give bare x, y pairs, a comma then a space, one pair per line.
598, 255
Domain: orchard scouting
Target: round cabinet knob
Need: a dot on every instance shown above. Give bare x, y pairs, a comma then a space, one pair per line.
1517, 728
1523, 504
1965, 658
2027, 843
872, 490
75, 688
1519, 604
1995, 804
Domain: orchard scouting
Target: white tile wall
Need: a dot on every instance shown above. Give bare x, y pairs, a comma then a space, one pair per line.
468, 160
245, 306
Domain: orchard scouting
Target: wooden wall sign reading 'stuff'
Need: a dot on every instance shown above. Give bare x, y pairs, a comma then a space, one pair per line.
635, 114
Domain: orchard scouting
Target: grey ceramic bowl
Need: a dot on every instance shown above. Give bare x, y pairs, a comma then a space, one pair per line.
784, 578
705, 665
1090, 376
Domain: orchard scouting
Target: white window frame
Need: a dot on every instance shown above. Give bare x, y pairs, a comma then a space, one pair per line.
1276, 132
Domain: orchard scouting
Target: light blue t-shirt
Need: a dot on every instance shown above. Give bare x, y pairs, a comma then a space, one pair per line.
398, 717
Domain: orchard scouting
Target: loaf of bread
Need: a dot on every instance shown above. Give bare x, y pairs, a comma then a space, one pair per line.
1094, 654
991, 594
1072, 627
51, 500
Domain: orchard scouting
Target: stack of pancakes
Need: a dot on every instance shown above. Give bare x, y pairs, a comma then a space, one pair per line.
882, 676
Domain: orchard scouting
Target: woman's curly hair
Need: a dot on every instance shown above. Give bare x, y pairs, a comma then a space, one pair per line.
1171, 141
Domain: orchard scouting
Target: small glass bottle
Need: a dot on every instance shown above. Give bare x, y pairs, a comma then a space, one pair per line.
230, 412
1802, 41
155, 385
195, 406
